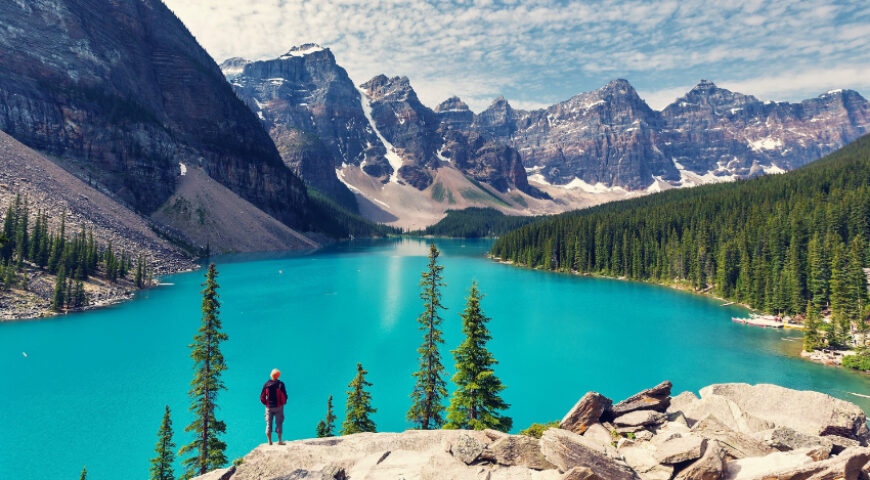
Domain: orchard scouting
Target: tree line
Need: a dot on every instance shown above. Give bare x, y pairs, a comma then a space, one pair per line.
792, 244
476, 402
475, 222
27, 240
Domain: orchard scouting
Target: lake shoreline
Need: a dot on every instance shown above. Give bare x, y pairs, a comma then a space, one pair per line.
813, 357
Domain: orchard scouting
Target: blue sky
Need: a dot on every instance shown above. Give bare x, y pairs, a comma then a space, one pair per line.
538, 52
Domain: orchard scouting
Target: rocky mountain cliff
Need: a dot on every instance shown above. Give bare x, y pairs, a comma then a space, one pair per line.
121, 94
323, 124
596, 146
732, 432
611, 138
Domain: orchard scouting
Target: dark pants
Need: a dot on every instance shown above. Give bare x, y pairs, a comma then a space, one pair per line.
278, 414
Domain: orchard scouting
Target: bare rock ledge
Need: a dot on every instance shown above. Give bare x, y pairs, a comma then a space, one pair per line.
730, 432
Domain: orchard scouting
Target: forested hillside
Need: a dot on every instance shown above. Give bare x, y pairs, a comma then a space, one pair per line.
779, 243
476, 222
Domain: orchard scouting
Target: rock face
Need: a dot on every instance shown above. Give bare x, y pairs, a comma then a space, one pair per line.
567, 450
585, 413
121, 93
610, 136
810, 413
313, 112
321, 122
667, 451
657, 398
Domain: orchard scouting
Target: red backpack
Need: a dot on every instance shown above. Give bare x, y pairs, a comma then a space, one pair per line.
280, 396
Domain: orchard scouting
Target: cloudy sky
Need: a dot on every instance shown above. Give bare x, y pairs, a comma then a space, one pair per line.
537, 52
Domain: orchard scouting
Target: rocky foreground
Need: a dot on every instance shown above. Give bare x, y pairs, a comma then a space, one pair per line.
732, 432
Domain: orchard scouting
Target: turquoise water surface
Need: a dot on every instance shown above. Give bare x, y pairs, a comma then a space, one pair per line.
92, 386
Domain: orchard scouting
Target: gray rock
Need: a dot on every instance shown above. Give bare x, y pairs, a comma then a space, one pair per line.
785, 438
467, 448
680, 449
639, 418
711, 466
727, 412
811, 413
841, 443
581, 473
657, 398
736, 445
641, 458
598, 434
586, 412
567, 450
520, 451
644, 435
680, 401
798, 465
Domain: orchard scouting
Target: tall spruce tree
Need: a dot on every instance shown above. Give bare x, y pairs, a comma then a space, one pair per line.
359, 405
326, 426
58, 300
84, 475
161, 465
476, 404
427, 411
206, 449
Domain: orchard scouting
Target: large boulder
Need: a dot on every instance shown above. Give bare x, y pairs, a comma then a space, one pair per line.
657, 398
735, 445
799, 465
586, 412
598, 434
726, 411
785, 438
520, 451
567, 450
681, 449
640, 418
711, 466
641, 457
808, 412
467, 448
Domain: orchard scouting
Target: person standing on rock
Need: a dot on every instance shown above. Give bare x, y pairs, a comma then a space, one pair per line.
274, 396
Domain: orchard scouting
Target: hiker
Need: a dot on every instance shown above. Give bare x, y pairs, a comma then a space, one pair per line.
274, 396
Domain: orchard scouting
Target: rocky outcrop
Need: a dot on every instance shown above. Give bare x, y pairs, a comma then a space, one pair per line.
313, 112
454, 114
663, 450
585, 413
322, 123
121, 93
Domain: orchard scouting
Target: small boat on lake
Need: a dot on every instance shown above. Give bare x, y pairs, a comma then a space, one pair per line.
764, 321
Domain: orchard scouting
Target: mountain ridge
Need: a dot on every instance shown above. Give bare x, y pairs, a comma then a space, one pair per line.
596, 146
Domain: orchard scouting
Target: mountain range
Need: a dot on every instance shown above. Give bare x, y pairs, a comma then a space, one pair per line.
405, 163
285, 153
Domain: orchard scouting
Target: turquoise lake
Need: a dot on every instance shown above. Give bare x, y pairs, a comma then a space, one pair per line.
92, 386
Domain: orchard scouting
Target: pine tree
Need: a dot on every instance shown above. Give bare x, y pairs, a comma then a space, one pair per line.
84, 475
476, 403
812, 339
427, 411
358, 405
161, 465
326, 426
59, 299
207, 449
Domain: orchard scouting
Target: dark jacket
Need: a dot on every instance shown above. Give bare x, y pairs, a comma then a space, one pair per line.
273, 394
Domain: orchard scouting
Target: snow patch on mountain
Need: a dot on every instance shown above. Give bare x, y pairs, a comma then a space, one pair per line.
302, 50
767, 143
392, 157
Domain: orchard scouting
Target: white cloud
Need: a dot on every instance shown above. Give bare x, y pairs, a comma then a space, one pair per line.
536, 52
